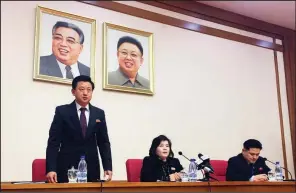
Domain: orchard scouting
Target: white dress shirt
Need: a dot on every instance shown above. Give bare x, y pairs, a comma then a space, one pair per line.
74, 69
86, 112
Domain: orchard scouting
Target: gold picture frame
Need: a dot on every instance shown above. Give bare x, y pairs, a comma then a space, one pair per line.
128, 60
63, 39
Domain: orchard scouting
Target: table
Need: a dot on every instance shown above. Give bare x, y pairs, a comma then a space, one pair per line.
123, 186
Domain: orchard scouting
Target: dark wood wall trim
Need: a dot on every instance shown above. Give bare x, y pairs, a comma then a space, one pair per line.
276, 68
220, 16
201, 11
288, 37
184, 24
290, 78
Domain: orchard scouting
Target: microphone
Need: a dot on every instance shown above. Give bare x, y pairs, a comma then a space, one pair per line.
180, 153
206, 163
197, 166
265, 159
201, 166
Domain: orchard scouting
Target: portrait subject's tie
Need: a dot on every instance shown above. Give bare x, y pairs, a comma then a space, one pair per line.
83, 121
69, 74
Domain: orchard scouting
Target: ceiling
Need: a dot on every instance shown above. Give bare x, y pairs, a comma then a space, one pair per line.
280, 13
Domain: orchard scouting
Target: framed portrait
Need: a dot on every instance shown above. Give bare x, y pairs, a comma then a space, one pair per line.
128, 60
64, 46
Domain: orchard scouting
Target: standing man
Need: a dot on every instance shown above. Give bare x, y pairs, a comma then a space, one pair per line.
248, 165
67, 45
78, 129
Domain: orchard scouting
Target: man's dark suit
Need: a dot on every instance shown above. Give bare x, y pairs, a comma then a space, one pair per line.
66, 143
239, 170
50, 67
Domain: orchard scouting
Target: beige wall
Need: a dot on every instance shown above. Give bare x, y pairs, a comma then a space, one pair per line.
211, 94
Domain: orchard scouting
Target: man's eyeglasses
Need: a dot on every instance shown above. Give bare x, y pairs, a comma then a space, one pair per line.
124, 54
69, 41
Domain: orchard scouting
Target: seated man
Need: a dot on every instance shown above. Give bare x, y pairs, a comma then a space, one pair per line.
248, 165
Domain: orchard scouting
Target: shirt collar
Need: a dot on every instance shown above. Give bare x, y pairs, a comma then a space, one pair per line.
123, 78
78, 106
74, 67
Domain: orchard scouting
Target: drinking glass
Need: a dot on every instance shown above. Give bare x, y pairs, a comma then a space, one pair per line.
271, 176
72, 175
184, 176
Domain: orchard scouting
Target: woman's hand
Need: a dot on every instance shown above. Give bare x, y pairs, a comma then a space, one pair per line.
175, 177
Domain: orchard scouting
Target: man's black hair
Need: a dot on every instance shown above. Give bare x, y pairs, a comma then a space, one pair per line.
252, 143
82, 78
131, 40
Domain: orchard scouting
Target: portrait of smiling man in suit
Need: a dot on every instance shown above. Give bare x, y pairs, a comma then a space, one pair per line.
67, 44
64, 46
128, 59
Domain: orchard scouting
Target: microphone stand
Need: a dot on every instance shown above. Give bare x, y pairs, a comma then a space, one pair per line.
284, 169
197, 166
206, 175
203, 180
101, 182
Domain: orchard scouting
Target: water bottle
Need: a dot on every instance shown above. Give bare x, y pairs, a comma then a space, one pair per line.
278, 172
192, 171
82, 170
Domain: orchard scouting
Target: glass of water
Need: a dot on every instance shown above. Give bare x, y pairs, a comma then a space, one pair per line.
184, 176
271, 176
72, 175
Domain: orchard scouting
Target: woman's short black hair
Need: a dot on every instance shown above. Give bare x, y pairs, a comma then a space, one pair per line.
156, 142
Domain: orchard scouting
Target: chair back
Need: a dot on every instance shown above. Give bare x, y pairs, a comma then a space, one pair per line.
220, 167
133, 169
39, 170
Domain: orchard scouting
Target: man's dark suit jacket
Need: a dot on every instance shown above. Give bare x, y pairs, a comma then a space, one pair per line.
239, 170
153, 168
50, 67
66, 143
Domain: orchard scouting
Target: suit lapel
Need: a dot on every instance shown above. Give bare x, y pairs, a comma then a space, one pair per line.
91, 121
75, 119
83, 70
55, 69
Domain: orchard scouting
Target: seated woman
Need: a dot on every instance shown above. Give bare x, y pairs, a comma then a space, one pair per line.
160, 165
